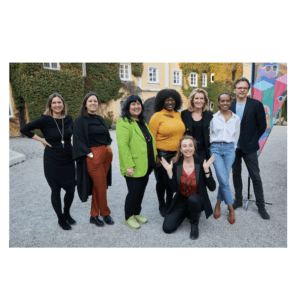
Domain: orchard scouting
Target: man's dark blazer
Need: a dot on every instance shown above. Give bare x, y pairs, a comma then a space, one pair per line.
201, 180
253, 125
187, 120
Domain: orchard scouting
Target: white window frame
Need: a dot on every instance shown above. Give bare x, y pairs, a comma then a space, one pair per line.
157, 74
204, 80
212, 75
10, 107
195, 78
84, 70
128, 65
179, 73
50, 67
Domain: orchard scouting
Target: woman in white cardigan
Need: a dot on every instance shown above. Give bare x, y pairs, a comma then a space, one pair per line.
224, 135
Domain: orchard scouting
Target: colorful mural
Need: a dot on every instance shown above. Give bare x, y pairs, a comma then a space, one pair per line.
269, 86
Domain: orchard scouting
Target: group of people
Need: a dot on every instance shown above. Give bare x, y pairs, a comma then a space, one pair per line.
179, 147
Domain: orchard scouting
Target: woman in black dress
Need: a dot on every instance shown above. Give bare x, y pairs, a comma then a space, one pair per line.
93, 155
59, 167
197, 120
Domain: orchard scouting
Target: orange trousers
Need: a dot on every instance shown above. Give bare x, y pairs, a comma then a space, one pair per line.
98, 168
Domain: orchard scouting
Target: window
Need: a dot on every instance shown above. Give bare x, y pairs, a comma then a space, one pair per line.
125, 71
153, 75
177, 77
212, 77
10, 107
193, 79
51, 65
204, 80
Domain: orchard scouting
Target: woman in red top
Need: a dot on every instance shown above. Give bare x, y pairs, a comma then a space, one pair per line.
188, 177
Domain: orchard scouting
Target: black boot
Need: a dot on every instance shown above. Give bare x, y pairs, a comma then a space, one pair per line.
68, 217
263, 212
194, 220
63, 223
162, 208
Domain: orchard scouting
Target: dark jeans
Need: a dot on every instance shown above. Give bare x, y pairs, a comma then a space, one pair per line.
251, 161
178, 213
136, 187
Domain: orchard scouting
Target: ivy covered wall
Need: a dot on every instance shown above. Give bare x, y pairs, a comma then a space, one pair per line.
32, 84
224, 76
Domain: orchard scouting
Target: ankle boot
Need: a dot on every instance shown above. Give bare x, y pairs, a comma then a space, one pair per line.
162, 208
69, 219
194, 220
63, 223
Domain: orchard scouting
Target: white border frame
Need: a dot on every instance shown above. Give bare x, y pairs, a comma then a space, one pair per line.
50, 68
157, 74
180, 77
129, 68
196, 76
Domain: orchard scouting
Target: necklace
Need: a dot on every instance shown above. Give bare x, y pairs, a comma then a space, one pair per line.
62, 140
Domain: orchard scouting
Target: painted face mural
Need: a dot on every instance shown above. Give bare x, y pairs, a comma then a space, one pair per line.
268, 72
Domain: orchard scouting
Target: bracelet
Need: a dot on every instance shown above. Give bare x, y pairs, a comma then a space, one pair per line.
207, 172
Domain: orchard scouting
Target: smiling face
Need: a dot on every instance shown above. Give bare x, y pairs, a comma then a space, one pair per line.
92, 104
187, 148
57, 106
169, 104
241, 89
198, 101
224, 103
135, 109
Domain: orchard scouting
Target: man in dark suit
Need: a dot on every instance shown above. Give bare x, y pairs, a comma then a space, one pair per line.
253, 125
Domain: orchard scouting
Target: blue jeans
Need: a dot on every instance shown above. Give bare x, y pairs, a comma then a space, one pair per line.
224, 155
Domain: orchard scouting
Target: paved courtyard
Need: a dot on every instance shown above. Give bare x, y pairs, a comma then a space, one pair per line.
33, 222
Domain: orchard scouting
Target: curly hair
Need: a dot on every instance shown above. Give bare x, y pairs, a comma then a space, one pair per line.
165, 94
126, 109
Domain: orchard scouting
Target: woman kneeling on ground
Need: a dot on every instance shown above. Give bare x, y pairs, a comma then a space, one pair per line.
188, 177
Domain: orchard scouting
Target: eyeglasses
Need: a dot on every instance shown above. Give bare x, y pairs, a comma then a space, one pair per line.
241, 88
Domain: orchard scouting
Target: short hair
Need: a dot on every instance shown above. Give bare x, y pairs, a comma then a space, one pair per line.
191, 97
126, 108
165, 94
83, 109
225, 93
49, 111
241, 79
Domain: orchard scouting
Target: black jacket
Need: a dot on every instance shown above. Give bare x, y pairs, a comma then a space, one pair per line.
80, 151
253, 125
201, 180
187, 119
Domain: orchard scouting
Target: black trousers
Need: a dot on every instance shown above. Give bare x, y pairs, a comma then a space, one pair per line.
193, 204
136, 190
251, 162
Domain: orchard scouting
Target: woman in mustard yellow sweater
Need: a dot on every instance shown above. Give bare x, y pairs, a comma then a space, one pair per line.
167, 128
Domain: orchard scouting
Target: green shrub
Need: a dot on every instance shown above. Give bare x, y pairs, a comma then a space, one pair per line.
108, 121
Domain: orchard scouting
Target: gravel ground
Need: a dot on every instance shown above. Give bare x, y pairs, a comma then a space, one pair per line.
33, 222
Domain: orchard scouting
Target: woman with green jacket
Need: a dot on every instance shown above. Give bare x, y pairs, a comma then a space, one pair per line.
137, 151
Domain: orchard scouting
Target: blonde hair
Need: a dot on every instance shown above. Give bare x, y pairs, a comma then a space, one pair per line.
191, 97
178, 154
49, 111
